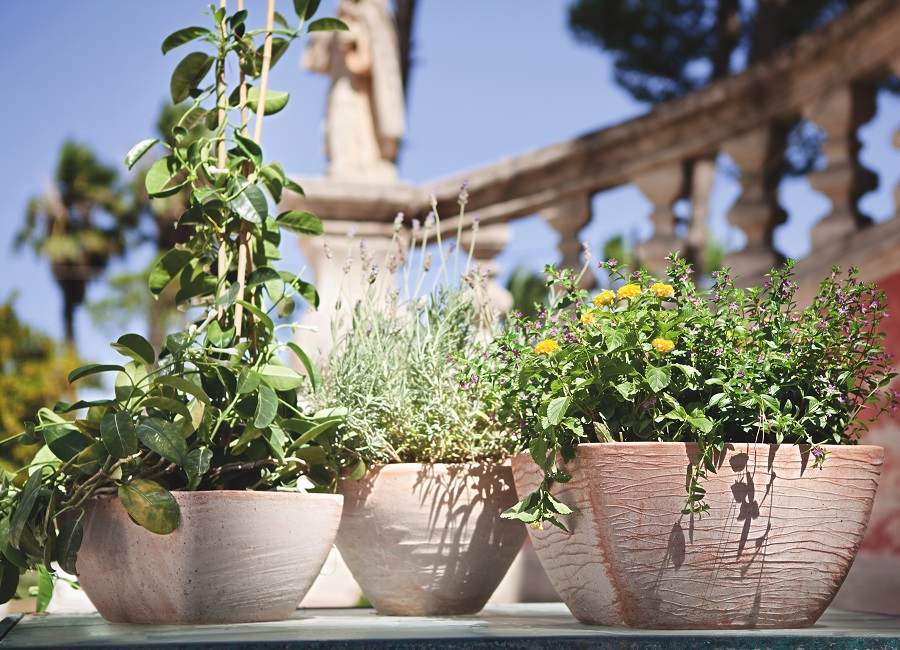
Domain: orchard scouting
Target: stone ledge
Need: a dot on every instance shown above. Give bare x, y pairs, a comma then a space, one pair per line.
523, 626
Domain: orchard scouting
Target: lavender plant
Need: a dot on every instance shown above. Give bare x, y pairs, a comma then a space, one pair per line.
657, 361
397, 361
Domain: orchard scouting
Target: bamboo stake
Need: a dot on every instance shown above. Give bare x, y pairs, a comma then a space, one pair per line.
221, 162
244, 240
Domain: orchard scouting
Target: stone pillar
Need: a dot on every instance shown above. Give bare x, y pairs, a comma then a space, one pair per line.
662, 186
759, 154
844, 180
701, 179
329, 256
568, 217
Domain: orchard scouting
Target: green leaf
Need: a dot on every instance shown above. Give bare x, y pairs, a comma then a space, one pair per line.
167, 267
150, 505
168, 404
315, 376
275, 101
92, 369
305, 9
281, 377
164, 438
22, 513
118, 434
198, 462
300, 222
328, 25
182, 36
189, 74
278, 18
263, 317
658, 378
266, 407
64, 441
136, 347
699, 422
261, 275
164, 177
249, 147
615, 339
91, 458
68, 543
250, 204
45, 589
248, 381
293, 186
557, 408
184, 385
309, 293
137, 151
9, 580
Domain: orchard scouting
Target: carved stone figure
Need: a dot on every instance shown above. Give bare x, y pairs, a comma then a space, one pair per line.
365, 116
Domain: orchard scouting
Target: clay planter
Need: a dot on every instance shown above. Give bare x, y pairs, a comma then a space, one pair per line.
236, 557
428, 540
771, 552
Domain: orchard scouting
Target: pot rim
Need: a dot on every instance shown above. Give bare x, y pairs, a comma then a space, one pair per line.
192, 495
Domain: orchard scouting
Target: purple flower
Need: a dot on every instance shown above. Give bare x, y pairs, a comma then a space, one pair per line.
818, 452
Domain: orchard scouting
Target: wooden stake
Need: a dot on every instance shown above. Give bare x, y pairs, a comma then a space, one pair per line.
221, 162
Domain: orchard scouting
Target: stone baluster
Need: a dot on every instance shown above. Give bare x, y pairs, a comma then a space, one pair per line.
759, 154
567, 217
662, 186
844, 180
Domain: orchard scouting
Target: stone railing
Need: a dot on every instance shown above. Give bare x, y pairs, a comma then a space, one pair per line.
829, 77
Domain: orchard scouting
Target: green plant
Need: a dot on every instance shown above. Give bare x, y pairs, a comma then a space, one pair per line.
667, 362
216, 407
398, 362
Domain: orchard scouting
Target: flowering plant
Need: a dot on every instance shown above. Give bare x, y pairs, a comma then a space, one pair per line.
217, 407
397, 363
661, 360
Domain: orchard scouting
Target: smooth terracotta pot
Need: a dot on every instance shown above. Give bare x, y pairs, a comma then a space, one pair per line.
236, 557
428, 540
772, 551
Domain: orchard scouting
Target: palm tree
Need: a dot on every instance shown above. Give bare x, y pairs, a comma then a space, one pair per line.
78, 225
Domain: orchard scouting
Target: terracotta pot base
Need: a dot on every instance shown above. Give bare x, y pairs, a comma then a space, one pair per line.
772, 551
236, 557
427, 540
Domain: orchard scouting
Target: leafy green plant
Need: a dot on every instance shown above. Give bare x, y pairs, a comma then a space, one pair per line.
398, 363
667, 362
216, 408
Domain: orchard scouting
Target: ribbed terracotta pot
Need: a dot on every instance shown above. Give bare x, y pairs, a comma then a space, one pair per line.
428, 540
772, 551
236, 557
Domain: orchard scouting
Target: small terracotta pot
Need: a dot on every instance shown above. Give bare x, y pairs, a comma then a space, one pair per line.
236, 557
428, 540
772, 551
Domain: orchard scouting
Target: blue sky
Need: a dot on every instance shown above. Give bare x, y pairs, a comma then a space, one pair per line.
492, 79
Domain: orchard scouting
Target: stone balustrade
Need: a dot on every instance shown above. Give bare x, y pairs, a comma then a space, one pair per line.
829, 76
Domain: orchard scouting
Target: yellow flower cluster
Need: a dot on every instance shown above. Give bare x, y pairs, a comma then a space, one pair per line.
663, 345
588, 318
604, 298
546, 347
662, 290
628, 292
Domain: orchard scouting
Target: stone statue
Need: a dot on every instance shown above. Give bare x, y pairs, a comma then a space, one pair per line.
365, 116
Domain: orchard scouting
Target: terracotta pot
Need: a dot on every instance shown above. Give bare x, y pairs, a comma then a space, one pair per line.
428, 539
772, 551
236, 557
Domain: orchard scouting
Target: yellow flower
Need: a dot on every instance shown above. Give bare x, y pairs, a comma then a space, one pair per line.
604, 298
588, 318
663, 345
537, 525
546, 347
628, 291
662, 290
